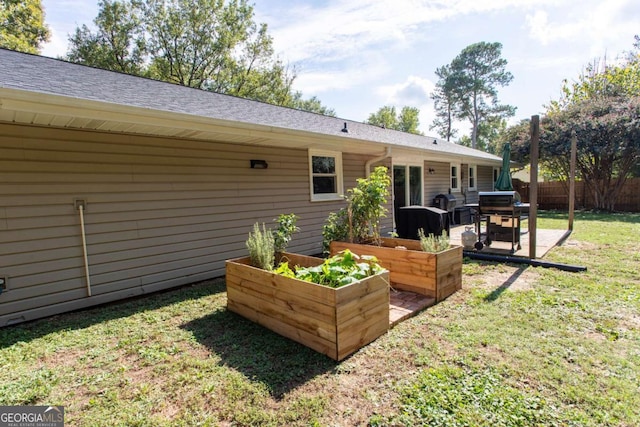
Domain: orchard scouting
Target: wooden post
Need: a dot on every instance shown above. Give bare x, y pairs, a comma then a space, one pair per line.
533, 185
572, 178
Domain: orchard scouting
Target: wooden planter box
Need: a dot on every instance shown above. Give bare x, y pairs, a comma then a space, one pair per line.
336, 322
434, 275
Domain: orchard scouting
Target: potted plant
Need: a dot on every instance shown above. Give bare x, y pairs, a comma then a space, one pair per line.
335, 318
435, 274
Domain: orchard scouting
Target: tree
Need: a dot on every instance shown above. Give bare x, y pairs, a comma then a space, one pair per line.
602, 80
474, 77
608, 134
385, 117
406, 121
445, 103
409, 120
207, 44
211, 45
312, 105
22, 25
489, 136
118, 44
602, 110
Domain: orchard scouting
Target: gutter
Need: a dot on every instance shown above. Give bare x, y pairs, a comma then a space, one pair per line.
367, 165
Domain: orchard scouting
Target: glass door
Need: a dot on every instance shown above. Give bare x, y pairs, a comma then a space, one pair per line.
407, 187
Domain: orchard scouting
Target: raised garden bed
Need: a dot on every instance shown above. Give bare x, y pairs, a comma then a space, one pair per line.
436, 275
333, 321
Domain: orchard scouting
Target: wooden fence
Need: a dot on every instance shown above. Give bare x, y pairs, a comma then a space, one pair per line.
555, 195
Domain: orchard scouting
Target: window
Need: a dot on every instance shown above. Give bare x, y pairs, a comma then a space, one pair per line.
326, 175
407, 192
407, 187
471, 184
455, 177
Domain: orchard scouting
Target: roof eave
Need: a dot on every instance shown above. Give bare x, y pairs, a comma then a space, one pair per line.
36, 108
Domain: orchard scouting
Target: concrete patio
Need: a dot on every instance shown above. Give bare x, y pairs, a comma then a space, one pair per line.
406, 304
545, 241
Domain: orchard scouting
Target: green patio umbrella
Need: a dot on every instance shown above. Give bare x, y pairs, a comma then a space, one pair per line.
503, 183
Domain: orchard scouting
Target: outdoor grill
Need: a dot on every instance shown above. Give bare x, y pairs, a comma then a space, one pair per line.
446, 202
502, 211
411, 218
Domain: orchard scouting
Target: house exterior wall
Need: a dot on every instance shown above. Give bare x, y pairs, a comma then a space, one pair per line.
485, 180
160, 213
436, 183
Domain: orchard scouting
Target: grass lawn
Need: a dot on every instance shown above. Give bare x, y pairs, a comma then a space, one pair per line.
517, 346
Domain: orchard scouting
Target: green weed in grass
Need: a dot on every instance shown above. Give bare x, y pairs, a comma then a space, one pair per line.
452, 396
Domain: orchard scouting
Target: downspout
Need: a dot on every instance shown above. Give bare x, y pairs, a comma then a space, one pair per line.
367, 165
80, 205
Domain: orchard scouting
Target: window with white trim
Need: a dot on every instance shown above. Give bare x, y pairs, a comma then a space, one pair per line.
472, 181
455, 177
407, 185
325, 175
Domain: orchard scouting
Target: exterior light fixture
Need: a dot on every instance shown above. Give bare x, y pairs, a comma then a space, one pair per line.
432, 171
259, 164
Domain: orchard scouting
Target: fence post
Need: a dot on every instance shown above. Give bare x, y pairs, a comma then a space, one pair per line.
572, 178
533, 186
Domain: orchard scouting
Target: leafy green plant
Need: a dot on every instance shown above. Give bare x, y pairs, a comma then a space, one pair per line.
341, 269
359, 221
336, 227
261, 247
433, 243
283, 234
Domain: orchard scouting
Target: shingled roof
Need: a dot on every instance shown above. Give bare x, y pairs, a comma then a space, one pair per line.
47, 76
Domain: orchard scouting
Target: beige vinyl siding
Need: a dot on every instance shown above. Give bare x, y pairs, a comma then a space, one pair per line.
160, 212
466, 195
436, 183
485, 180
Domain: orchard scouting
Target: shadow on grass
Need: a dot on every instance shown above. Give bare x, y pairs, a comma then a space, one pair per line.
80, 319
259, 354
495, 294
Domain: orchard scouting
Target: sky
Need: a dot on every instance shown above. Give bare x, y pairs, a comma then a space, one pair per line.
359, 55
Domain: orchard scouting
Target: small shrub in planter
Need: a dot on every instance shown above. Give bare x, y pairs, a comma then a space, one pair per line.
432, 243
359, 221
284, 233
425, 268
261, 247
265, 246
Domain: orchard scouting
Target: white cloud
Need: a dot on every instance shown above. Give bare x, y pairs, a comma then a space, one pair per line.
541, 30
592, 23
57, 45
413, 92
358, 70
329, 35
344, 27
